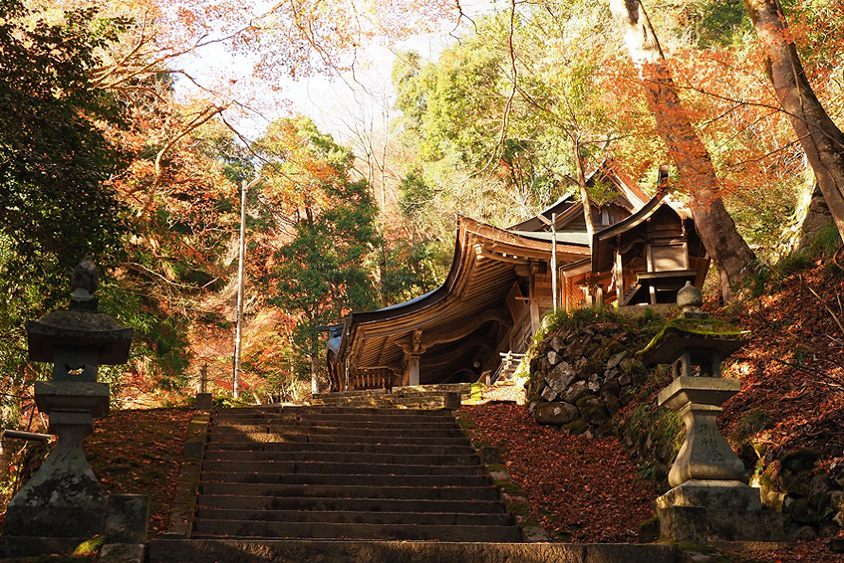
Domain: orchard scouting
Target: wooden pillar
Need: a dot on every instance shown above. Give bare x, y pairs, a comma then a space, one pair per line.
412, 373
533, 302
554, 261
619, 280
346, 383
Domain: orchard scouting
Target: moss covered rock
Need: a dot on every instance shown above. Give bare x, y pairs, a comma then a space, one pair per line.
587, 361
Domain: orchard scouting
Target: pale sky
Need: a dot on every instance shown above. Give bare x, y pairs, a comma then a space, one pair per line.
334, 104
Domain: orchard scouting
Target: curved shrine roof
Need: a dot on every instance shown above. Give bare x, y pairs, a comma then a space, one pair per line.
457, 314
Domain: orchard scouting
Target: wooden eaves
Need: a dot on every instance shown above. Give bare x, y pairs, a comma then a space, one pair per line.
467, 312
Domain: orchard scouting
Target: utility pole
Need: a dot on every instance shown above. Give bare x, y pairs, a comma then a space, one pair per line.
242, 251
554, 258
553, 265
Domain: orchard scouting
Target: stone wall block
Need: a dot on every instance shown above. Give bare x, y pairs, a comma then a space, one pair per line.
556, 413
611, 402
581, 367
802, 512
560, 377
611, 387
836, 500
576, 348
548, 394
593, 410
615, 360
820, 484
577, 390
795, 484
837, 474
800, 460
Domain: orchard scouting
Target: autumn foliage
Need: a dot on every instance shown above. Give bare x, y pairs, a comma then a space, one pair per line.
581, 489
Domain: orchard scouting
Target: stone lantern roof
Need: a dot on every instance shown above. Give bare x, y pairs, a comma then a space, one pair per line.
694, 330
80, 325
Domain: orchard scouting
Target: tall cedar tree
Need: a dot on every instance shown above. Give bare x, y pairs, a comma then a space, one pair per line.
717, 229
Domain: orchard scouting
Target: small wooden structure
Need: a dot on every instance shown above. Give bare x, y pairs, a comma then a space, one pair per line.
642, 260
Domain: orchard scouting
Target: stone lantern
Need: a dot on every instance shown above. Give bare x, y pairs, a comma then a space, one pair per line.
710, 499
64, 498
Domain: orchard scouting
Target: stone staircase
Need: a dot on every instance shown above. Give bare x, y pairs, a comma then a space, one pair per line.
341, 473
408, 397
345, 473
339, 484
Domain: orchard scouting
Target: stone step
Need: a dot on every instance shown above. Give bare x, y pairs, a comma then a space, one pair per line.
252, 425
350, 491
245, 502
424, 400
308, 447
258, 528
338, 431
246, 456
342, 551
280, 437
334, 413
334, 468
428, 403
383, 480
465, 388
397, 392
327, 410
360, 517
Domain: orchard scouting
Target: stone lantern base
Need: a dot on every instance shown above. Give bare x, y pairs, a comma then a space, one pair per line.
709, 500
204, 402
64, 498
705, 511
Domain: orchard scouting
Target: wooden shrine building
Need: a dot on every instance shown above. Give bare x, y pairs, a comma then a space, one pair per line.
500, 286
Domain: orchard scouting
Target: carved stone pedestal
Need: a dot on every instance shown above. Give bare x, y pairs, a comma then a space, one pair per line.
64, 497
705, 454
709, 500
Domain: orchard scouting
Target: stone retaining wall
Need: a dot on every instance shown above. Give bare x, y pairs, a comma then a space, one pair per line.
584, 373
581, 376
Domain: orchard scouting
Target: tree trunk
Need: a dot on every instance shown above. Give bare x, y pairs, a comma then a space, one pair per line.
821, 139
314, 374
726, 247
584, 193
811, 216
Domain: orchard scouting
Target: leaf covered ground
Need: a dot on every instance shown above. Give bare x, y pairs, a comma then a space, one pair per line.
792, 370
792, 398
792, 374
140, 452
582, 489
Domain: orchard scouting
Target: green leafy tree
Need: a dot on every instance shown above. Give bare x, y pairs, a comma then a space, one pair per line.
54, 160
55, 204
322, 268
